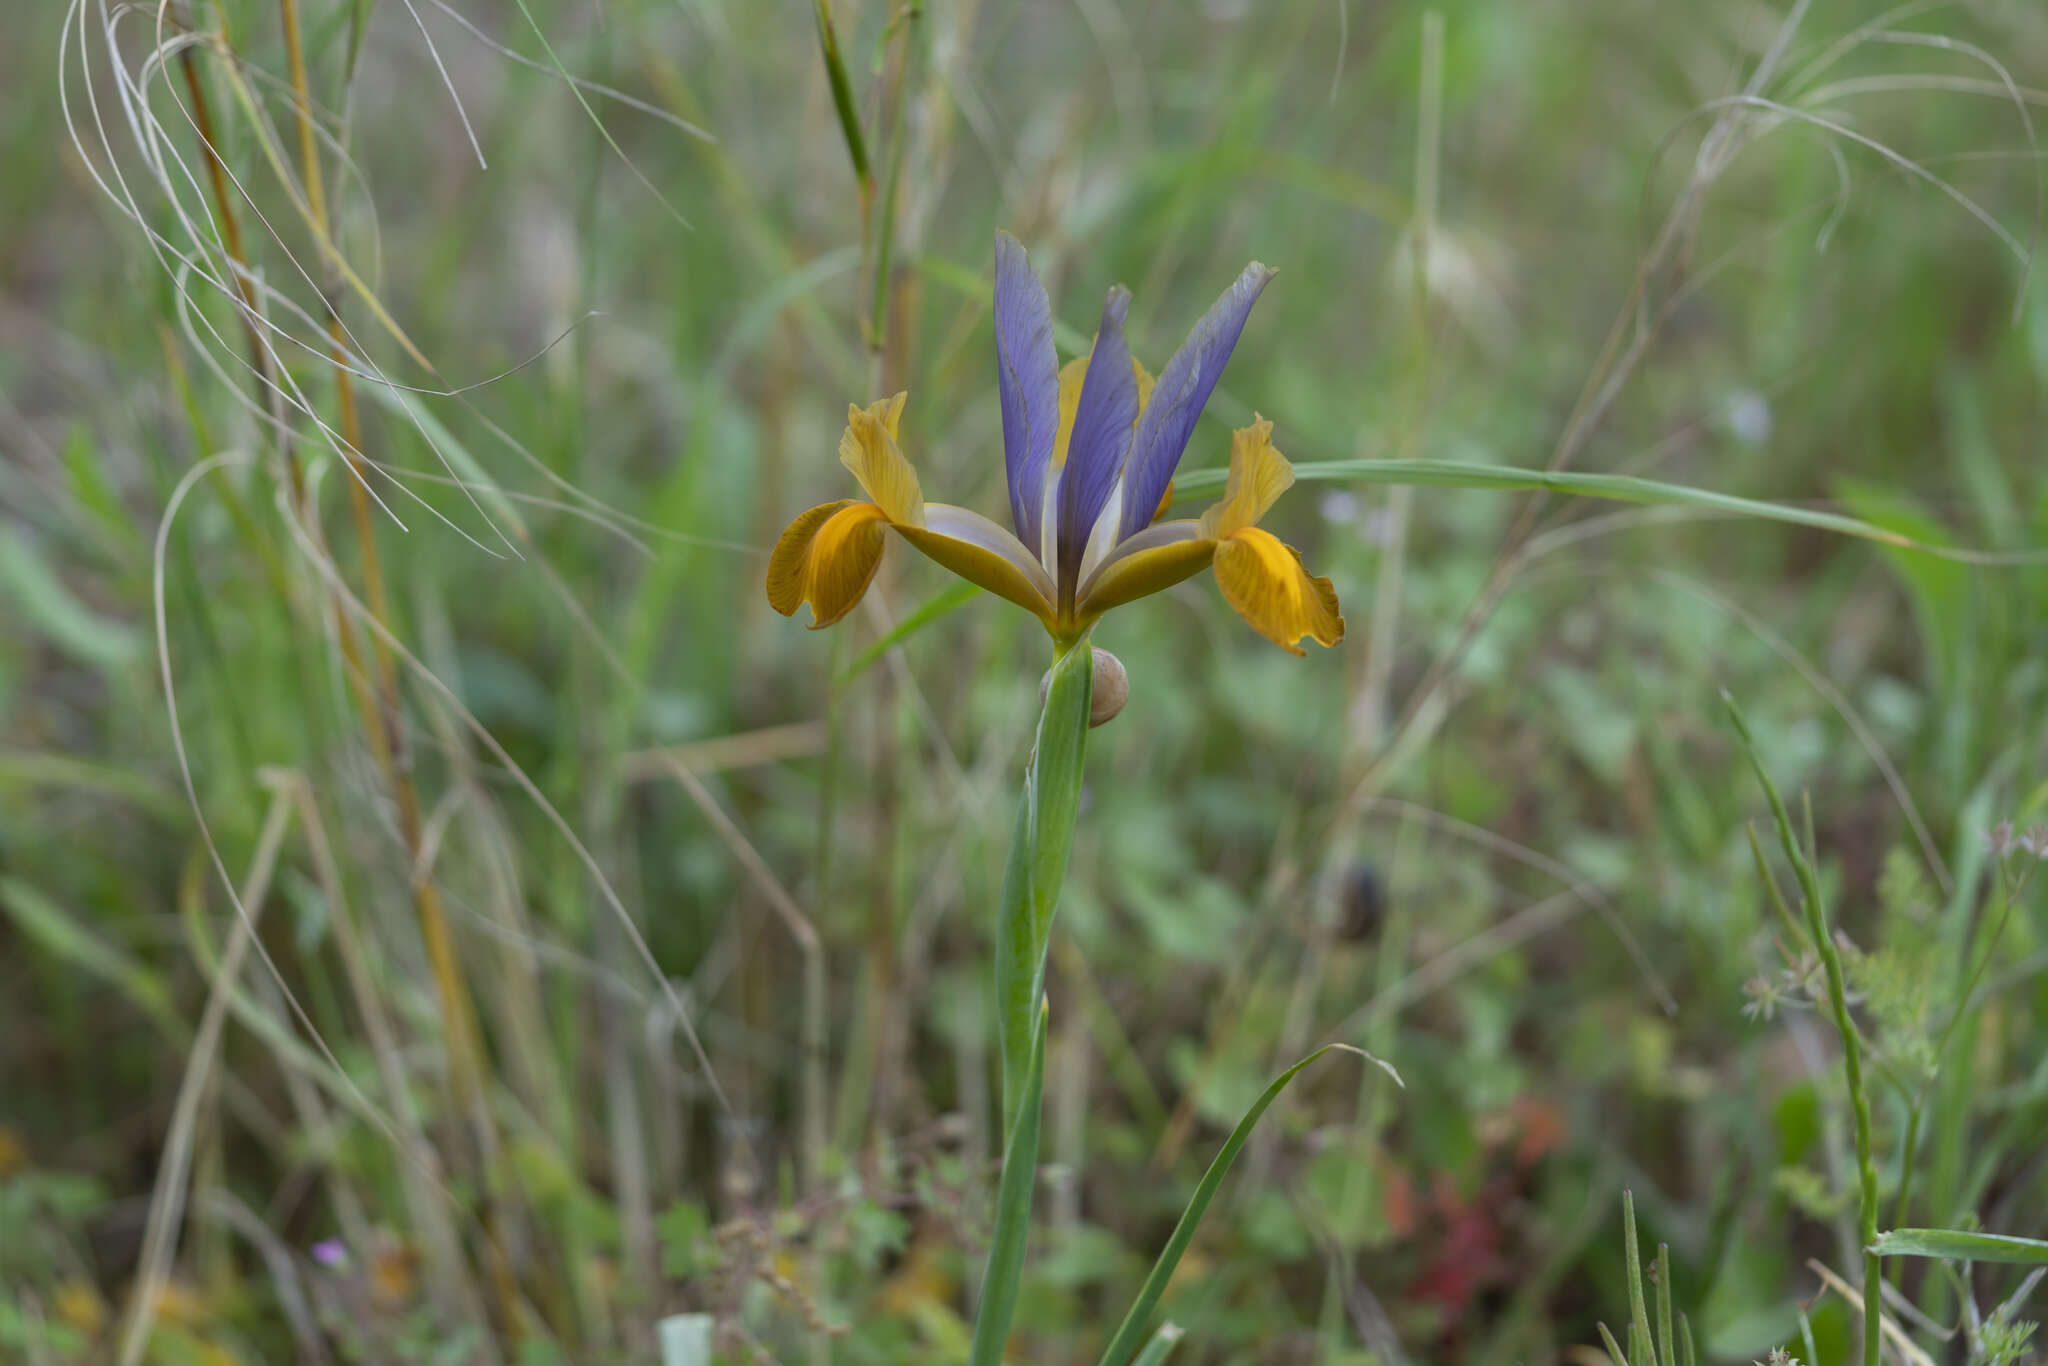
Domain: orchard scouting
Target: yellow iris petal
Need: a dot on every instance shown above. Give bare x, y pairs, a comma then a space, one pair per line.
868, 448
827, 557
1165, 502
976, 557
1155, 559
1259, 474
1071, 375
1264, 579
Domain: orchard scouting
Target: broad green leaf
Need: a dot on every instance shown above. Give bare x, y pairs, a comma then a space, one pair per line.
1132, 1330
1959, 1246
1037, 865
1013, 1216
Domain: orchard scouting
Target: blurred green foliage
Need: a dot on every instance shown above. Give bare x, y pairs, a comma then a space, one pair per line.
1438, 842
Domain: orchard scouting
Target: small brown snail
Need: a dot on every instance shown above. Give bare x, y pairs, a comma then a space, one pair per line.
1107, 693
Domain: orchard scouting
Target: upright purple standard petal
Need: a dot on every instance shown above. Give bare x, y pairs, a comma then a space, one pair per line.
1101, 437
1028, 373
1179, 396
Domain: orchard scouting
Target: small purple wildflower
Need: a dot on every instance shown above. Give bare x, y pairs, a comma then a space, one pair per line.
331, 1253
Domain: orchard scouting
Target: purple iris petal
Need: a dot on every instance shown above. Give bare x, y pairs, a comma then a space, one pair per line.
1101, 437
1028, 373
1179, 396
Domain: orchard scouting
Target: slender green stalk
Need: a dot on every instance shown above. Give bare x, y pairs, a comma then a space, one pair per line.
1667, 1351
1838, 1004
1039, 844
1005, 1266
1906, 1152
884, 236
842, 100
1037, 865
1638, 1313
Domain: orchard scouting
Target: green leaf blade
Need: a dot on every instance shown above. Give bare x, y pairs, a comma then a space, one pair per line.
1132, 1331
1956, 1245
1005, 1267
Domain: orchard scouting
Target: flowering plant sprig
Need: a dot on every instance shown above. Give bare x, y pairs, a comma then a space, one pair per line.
1090, 451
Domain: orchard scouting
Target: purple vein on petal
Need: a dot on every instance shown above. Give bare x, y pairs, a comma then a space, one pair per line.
1027, 373
1102, 434
1182, 391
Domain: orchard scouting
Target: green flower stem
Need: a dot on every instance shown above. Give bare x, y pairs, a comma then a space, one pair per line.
1852, 1052
1005, 1266
1039, 844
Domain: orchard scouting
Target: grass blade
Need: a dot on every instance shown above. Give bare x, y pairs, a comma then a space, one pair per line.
1005, 1266
842, 97
1620, 488
1666, 1352
1161, 1346
1132, 1329
42, 921
1638, 1311
1957, 1245
930, 610
1614, 1352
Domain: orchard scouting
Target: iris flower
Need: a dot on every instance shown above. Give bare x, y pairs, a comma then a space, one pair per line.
1091, 449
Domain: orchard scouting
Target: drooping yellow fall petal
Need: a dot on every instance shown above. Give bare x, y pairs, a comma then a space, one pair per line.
984, 553
1259, 474
868, 448
1156, 558
827, 557
1264, 579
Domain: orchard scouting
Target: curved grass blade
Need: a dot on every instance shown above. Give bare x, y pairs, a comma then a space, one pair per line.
1039, 842
1620, 488
1959, 1246
930, 610
1005, 1266
1132, 1330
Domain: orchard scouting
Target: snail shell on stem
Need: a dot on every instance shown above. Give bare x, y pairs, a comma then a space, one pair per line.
1108, 692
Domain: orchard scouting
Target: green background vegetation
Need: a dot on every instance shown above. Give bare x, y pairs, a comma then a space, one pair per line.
1496, 837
